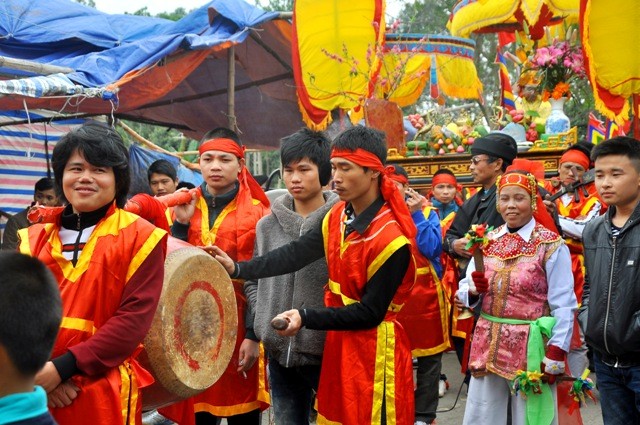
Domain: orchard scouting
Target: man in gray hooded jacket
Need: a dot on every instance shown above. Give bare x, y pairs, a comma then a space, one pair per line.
294, 362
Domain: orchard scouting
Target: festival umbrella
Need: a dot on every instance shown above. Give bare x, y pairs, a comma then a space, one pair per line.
334, 55
444, 61
610, 40
480, 16
341, 58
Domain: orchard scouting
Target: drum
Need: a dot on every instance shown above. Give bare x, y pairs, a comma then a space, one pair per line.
194, 329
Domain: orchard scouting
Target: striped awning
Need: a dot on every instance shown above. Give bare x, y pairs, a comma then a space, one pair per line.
42, 86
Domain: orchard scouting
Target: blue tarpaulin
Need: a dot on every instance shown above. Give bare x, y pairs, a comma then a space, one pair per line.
140, 159
153, 70
102, 48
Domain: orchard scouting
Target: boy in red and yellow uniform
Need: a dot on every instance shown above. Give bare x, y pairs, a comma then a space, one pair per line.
445, 197
366, 375
225, 212
109, 268
425, 314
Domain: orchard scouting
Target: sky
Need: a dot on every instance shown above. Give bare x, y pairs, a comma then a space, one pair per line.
158, 6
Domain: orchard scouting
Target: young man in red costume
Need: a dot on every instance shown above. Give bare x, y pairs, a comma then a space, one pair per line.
366, 375
225, 212
425, 314
109, 267
575, 211
445, 197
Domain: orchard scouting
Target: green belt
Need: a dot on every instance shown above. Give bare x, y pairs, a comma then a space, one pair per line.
540, 409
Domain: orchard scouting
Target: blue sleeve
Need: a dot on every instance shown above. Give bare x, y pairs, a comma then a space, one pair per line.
429, 238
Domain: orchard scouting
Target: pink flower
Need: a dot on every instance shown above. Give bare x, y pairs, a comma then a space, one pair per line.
555, 54
542, 57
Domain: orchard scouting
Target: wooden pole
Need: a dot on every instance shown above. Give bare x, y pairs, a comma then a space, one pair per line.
35, 67
155, 147
231, 89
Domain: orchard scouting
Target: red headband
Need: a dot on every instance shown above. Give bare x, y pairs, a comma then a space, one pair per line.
249, 187
388, 188
223, 145
444, 178
574, 155
399, 178
361, 157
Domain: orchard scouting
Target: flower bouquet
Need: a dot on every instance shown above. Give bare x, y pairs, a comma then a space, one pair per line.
557, 65
478, 241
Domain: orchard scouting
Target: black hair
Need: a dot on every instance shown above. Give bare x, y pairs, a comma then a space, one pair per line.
365, 138
221, 133
162, 166
187, 185
584, 147
444, 171
620, 145
101, 146
306, 143
492, 159
30, 311
399, 170
43, 184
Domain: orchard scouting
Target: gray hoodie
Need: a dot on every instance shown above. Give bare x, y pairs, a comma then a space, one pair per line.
303, 289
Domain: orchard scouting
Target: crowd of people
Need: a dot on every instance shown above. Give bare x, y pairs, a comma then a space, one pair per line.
370, 278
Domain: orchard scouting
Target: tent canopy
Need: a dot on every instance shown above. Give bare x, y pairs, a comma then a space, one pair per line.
153, 70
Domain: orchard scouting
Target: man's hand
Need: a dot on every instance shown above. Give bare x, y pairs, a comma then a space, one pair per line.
459, 247
480, 282
184, 212
222, 257
63, 395
247, 356
551, 206
48, 377
414, 200
295, 322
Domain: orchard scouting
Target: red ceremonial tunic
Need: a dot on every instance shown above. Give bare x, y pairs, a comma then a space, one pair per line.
91, 294
425, 314
232, 394
363, 368
577, 210
450, 278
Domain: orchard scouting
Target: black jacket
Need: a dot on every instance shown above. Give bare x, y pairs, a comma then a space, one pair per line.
610, 311
480, 208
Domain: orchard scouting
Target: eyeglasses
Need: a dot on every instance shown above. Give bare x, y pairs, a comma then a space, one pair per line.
476, 160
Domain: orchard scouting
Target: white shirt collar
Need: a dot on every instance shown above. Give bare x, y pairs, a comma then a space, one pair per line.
524, 232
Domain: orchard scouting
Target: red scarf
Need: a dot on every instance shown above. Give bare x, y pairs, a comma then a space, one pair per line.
389, 190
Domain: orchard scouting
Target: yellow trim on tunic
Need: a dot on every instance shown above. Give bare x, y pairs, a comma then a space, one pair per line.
334, 287
129, 394
387, 252
384, 374
144, 251
208, 236
78, 324
112, 225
